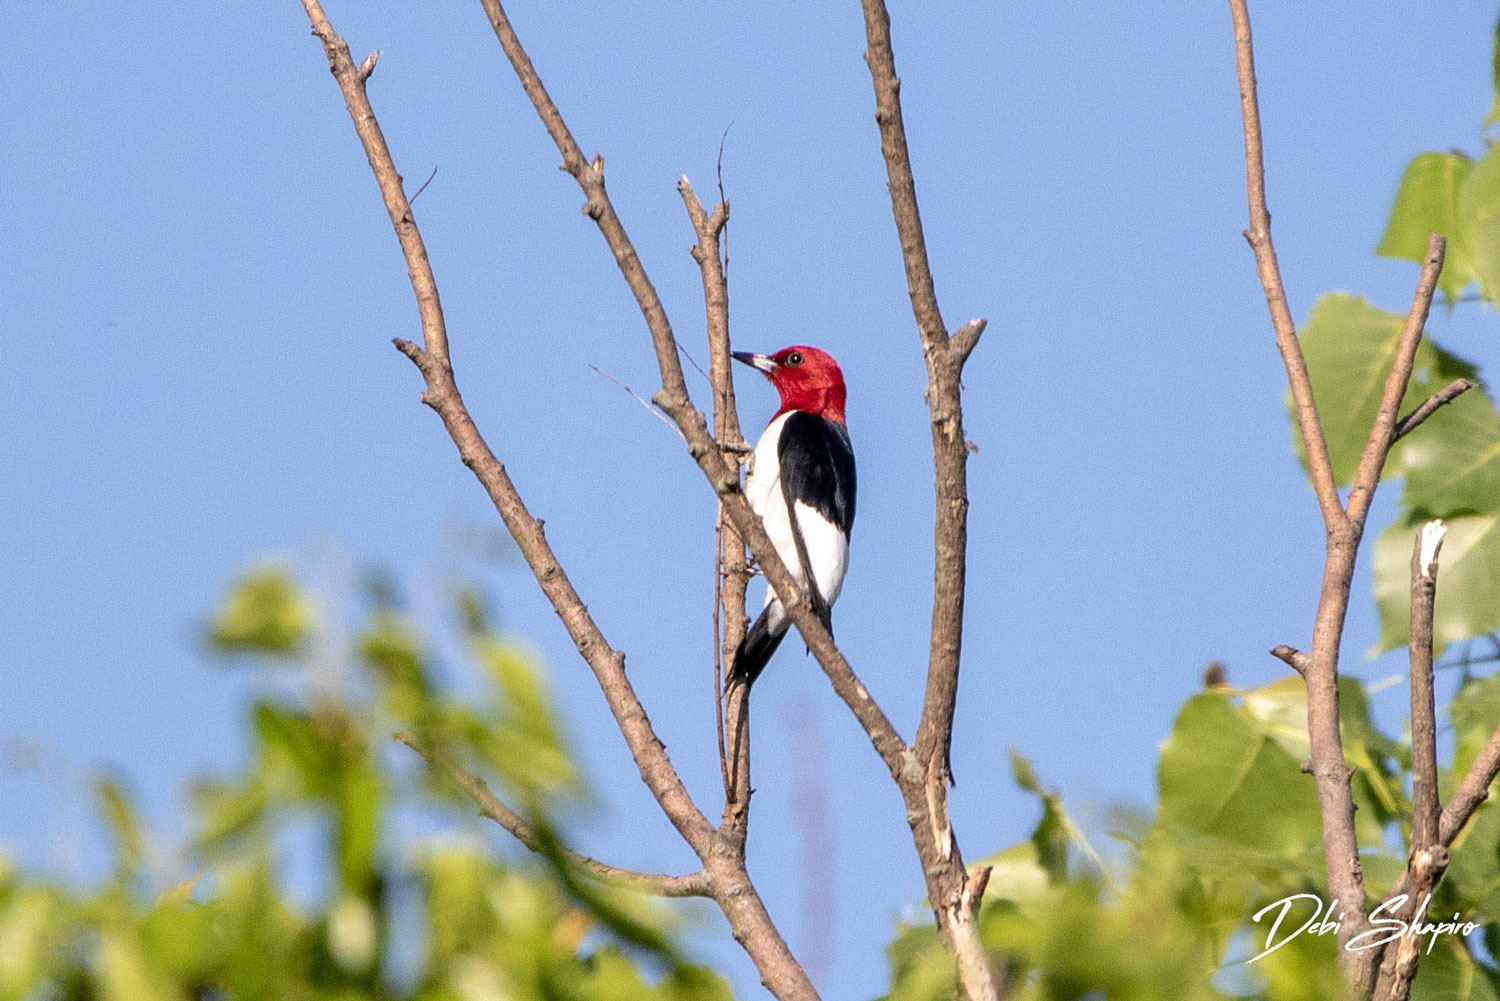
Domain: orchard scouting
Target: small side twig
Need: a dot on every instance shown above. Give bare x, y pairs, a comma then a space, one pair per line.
490, 806
1383, 431
637, 397
1292, 657
1447, 394
413, 199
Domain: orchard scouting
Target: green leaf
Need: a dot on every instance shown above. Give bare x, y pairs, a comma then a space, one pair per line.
293, 758
1450, 973
1453, 460
1475, 713
524, 740
921, 969
1349, 346
1428, 202
265, 614
125, 825
1052, 834
358, 816
1494, 112
1468, 599
1474, 872
1282, 707
1479, 212
1224, 774
1024, 774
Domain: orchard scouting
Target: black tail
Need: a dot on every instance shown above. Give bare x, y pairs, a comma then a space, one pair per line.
755, 650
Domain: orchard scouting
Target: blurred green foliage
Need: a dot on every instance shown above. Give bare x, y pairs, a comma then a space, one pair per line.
444, 919
1163, 910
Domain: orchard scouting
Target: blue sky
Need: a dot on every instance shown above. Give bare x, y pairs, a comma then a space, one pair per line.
199, 286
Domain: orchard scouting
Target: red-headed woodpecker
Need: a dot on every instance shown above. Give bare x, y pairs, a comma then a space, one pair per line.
801, 483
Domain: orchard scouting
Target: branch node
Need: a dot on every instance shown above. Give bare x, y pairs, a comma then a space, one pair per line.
964, 340
368, 66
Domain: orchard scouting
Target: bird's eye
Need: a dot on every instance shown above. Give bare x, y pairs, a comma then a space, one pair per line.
795, 358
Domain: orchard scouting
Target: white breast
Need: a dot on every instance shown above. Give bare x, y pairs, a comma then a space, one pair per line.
827, 549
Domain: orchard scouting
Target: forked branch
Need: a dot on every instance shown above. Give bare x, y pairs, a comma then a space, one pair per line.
1344, 524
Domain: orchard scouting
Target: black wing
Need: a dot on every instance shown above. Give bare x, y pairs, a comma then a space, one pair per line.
817, 467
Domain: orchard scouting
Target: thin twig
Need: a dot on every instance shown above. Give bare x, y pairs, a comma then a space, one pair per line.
1259, 237
717, 658
637, 397
723, 200
413, 199
1383, 430
729, 587
1447, 394
490, 806
694, 362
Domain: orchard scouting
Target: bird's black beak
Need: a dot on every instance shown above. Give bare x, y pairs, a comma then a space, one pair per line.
762, 362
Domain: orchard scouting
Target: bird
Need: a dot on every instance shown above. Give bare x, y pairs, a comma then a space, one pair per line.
801, 483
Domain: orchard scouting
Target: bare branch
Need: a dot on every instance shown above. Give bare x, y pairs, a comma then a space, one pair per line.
1383, 432
1426, 812
693, 885
945, 876
954, 907
753, 928
731, 571
1429, 406
443, 396
1259, 237
1472, 791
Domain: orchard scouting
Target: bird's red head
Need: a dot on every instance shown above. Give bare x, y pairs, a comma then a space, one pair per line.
807, 379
